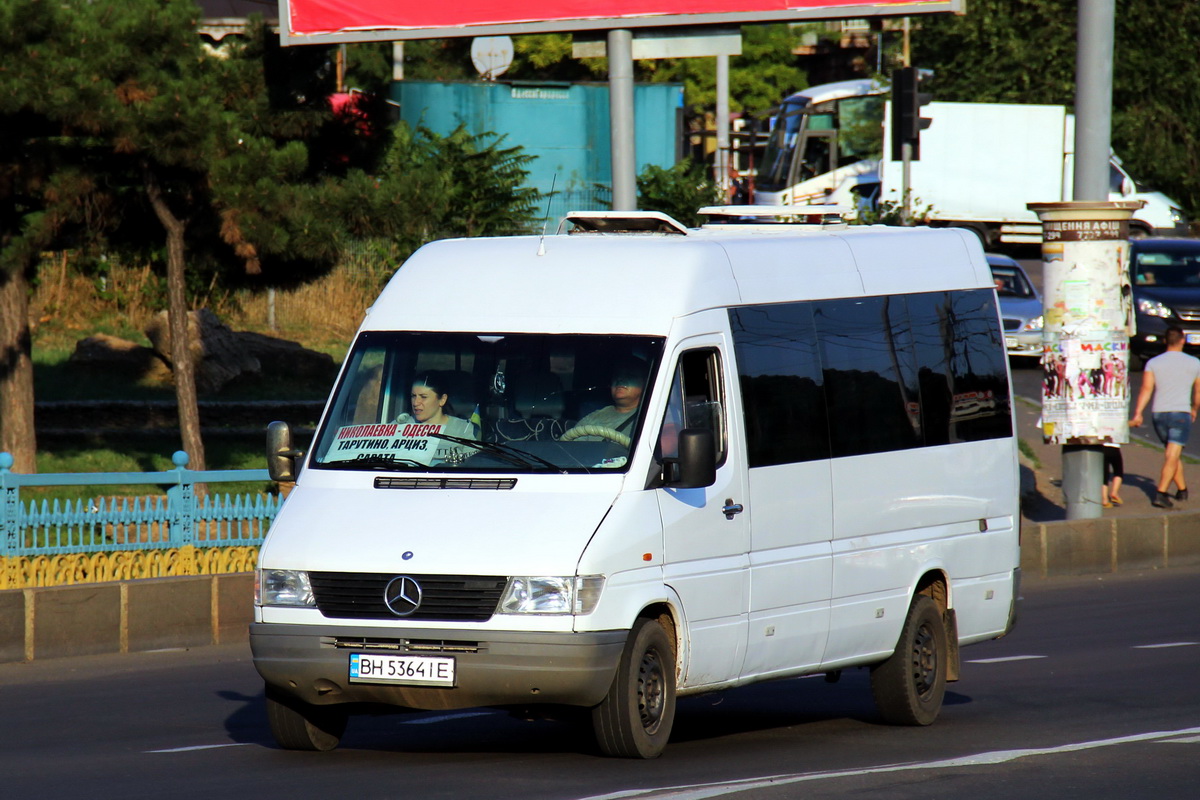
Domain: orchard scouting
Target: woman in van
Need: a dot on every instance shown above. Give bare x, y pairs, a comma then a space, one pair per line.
432, 413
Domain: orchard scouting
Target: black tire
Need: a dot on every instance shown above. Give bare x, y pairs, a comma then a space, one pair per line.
909, 686
634, 720
297, 725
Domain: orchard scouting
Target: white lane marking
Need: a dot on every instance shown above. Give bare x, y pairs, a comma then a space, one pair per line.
201, 747
705, 790
1002, 660
1161, 646
445, 717
1183, 740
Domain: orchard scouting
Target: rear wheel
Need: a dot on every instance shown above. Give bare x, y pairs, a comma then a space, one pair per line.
634, 720
909, 686
297, 725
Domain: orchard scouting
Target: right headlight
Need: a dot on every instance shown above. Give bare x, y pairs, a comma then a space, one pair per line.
1154, 308
283, 587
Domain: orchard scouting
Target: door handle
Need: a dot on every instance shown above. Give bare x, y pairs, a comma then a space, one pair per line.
731, 508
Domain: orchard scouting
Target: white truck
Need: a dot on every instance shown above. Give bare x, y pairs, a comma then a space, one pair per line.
980, 163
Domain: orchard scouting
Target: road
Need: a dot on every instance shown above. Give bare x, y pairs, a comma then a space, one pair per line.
1094, 695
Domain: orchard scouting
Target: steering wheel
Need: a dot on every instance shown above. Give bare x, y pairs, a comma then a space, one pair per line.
595, 430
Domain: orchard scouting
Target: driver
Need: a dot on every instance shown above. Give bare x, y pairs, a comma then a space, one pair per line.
627, 387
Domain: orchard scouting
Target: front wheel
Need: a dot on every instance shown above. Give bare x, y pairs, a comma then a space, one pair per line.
910, 685
634, 720
297, 725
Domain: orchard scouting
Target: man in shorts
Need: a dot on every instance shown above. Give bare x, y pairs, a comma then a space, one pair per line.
1173, 380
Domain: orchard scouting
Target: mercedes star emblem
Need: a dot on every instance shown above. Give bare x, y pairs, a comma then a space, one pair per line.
402, 596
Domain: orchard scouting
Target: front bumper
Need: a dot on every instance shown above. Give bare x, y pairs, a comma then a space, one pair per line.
510, 668
1023, 344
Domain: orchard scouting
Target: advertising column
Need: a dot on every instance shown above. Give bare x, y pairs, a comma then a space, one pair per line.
1088, 317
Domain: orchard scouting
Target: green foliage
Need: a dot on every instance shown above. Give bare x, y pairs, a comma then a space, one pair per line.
429, 186
678, 191
1023, 51
765, 72
891, 212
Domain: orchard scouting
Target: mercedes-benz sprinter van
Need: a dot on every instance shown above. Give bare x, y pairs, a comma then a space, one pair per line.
638, 461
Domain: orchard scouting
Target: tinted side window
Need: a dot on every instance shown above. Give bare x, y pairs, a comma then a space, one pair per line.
929, 317
696, 401
782, 386
870, 377
981, 403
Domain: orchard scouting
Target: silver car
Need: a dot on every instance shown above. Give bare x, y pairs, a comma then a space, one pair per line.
1020, 306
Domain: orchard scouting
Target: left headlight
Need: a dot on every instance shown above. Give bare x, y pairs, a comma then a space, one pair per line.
1034, 324
283, 587
569, 594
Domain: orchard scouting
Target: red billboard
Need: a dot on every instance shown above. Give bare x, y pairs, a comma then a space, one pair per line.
311, 21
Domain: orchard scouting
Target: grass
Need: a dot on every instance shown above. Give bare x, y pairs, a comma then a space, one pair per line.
139, 453
1027, 451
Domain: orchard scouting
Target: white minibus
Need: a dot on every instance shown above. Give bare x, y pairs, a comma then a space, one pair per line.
637, 461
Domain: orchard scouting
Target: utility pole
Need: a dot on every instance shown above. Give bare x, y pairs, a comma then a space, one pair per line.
1083, 465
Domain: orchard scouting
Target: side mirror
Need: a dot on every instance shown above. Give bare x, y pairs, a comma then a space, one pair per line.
696, 466
281, 456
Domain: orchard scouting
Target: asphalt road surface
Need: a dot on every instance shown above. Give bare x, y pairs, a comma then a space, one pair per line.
1095, 694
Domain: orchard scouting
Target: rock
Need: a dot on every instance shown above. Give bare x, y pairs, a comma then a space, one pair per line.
101, 351
221, 354
281, 358
216, 354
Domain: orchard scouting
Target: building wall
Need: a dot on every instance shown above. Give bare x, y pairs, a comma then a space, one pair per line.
564, 126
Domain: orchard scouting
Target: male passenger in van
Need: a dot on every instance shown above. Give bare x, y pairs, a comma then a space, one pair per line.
626, 390
1173, 380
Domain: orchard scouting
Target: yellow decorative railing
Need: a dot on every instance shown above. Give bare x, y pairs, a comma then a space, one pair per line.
23, 572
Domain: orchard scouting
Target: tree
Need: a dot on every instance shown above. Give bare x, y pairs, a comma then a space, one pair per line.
1023, 51
115, 117
678, 191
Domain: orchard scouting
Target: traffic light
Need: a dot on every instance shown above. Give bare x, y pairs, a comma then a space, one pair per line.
907, 122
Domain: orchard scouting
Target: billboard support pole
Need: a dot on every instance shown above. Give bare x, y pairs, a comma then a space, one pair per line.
620, 110
722, 161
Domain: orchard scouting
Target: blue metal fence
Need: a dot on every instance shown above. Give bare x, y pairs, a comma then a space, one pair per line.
107, 524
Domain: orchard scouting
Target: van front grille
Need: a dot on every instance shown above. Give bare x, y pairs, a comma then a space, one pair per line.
444, 598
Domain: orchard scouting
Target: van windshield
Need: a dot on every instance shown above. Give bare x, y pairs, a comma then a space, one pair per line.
437, 402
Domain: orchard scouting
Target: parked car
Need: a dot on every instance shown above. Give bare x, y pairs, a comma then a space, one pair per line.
1020, 306
1165, 274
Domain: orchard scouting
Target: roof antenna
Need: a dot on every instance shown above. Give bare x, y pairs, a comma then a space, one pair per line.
542, 241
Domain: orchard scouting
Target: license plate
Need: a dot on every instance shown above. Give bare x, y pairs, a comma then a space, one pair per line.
1193, 338
407, 670
1010, 343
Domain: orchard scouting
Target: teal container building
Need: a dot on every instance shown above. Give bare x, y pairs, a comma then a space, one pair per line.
564, 126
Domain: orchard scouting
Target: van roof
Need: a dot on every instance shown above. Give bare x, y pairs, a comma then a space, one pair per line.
637, 283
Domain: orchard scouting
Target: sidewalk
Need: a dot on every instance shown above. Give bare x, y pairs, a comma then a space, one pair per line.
1143, 462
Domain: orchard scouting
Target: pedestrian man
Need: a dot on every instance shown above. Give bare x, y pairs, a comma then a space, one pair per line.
1173, 380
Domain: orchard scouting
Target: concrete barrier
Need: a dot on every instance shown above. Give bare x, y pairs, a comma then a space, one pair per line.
1109, 544
125, 616
160, 613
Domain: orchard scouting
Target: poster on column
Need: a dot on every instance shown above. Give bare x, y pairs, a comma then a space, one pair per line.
1088, 316
1085, 390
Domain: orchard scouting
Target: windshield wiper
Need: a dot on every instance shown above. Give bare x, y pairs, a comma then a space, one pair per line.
383, 463
505, 452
